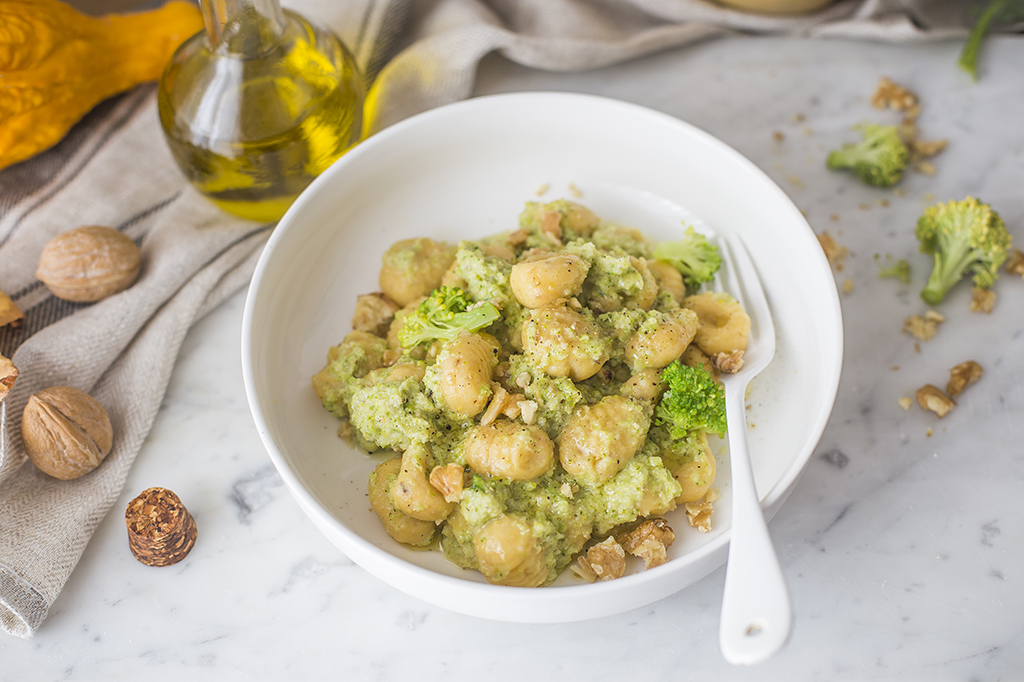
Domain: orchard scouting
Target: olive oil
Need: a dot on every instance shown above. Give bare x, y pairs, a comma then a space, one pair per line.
258, 105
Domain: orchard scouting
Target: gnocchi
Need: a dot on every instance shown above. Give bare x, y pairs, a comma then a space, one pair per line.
526, 434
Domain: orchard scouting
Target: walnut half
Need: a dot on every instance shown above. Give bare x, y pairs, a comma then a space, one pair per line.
604, 561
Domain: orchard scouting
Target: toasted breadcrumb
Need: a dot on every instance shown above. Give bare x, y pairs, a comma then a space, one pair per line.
982, 300
962, 376
835, 253
896, 97
906, 402
928, 433
932, 398
847, 286
649, 541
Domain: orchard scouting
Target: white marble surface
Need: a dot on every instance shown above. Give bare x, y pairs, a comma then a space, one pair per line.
903, 551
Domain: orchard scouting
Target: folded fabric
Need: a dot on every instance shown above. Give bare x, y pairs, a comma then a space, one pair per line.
115, 170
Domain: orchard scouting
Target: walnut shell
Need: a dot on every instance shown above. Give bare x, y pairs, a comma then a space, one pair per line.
65, 432
89, 263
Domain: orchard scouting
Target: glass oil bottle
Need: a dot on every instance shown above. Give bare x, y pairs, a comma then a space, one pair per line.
259, 104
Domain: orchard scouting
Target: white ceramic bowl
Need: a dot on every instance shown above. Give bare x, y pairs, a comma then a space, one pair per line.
465, 171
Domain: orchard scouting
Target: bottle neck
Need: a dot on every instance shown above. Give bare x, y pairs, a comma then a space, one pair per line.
243, 27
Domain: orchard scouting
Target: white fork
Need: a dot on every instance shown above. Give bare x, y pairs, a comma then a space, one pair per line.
756, 611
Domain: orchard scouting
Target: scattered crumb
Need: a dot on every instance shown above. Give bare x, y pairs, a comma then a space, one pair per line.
906, 402
835, 253
847, 286
917, 347
900, 192
962, 376
923, 328
543, 189
932, 398
929, 198
928, 433
778, 136
808, 131
864, 207
982, 300
896, 97
575, 191
925, 167
1015, 262
884, 203
834, 217
796, 181
894, 368
799, 118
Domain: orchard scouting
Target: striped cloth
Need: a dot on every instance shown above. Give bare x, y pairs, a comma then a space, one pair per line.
114, 169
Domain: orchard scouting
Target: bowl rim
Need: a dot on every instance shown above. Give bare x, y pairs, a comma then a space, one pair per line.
361, 550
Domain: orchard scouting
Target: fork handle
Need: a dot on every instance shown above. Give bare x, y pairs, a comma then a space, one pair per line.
756, 611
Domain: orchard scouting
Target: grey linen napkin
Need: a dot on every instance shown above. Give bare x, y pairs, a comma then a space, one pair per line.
114, 169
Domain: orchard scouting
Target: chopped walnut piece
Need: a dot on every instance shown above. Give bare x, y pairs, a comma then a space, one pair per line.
449, 480
550, 226
962, 376
1015, 262
729, 362
390, 356
932, 398
9, 312
516, 238
924, 149
698, 513
528, 409
649, 541
982, 300
833, 251
923, 328
374, 313
8, 375
889, 94
906, 402
503, 402
604, 561
523, 380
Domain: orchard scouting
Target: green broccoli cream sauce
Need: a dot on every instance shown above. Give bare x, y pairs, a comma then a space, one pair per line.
390, 398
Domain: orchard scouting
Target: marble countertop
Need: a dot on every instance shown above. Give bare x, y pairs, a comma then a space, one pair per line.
898, 543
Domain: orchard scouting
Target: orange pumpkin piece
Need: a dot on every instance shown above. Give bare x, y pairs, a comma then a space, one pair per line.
56, 64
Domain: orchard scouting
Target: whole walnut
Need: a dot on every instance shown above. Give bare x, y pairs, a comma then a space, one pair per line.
89, 263
66, 432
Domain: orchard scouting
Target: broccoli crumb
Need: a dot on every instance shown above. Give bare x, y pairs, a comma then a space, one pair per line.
889, 270
878, 159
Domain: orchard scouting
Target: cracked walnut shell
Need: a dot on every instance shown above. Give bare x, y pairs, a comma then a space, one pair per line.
89, 263
66, 432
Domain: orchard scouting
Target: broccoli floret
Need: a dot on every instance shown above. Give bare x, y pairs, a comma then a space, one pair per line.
889, 270
878, 159
966, 237
695, 258
443, 315
693, 401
